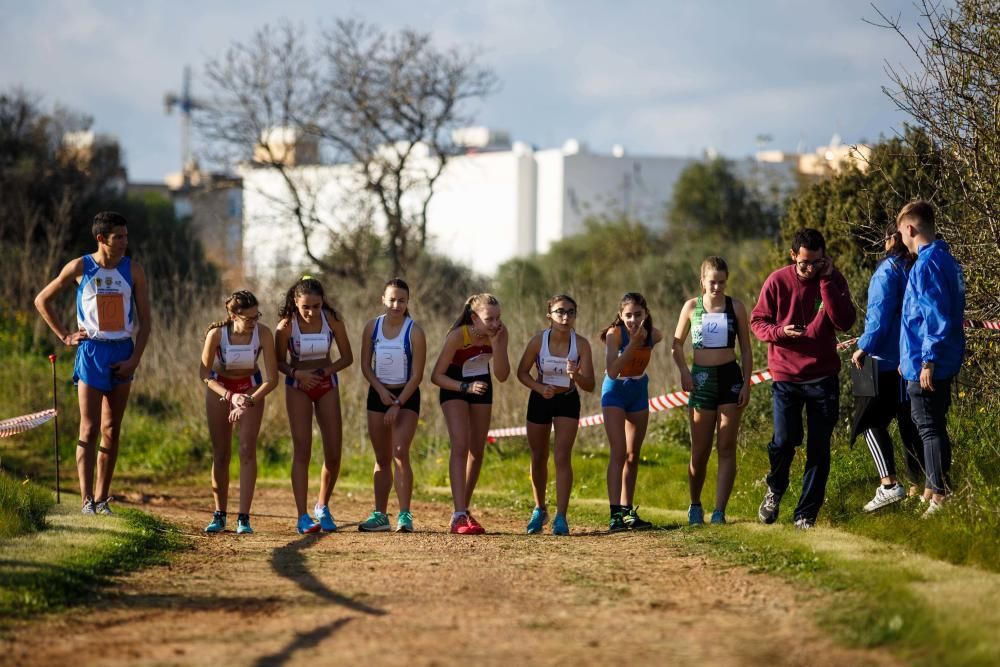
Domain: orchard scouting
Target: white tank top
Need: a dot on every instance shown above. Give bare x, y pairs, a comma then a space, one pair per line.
309, 347
391, 356
553, 368
104, 300
238, 357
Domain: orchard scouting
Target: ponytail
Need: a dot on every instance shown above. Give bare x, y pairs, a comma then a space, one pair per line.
636, 299
305, 285
236, 303
471, 304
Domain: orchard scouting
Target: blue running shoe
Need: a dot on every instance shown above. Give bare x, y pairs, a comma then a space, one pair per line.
696, 515
539, 518
243, 525
306, 526
559, 525
322, 513
218, 523
718, 517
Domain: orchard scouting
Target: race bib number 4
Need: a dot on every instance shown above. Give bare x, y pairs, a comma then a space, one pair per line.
477, 365
111, 312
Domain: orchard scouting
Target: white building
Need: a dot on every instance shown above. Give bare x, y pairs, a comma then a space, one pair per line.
487, 207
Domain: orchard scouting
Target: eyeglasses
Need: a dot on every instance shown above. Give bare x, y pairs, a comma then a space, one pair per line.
562, 312
247, 318
810, 265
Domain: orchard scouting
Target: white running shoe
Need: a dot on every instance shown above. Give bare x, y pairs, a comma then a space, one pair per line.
933, 507
884, 496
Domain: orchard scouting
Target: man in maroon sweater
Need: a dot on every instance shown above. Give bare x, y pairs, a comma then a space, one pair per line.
800, 309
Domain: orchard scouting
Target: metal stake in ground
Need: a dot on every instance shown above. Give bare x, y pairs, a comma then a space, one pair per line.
55, 422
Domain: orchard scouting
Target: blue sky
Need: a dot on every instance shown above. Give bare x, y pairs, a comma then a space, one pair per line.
670, 77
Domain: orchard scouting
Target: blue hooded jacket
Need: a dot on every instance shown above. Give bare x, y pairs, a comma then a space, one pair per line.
933, 314
885, 304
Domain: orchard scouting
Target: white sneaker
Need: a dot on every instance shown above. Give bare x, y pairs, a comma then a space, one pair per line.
884, 496
933, 507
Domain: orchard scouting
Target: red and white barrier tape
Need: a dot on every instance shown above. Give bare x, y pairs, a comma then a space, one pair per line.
676, 399
679, 399
9, 427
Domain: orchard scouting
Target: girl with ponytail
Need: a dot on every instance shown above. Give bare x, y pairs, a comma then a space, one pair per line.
234, 392
628, 345
305, 335
462, 371
393, 354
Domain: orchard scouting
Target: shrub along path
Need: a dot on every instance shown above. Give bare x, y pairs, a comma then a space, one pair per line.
278, 598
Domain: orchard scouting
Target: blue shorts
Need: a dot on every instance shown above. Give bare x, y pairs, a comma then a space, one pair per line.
628, 394
94, 359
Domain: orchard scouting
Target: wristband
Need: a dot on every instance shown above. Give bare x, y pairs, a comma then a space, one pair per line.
248, 401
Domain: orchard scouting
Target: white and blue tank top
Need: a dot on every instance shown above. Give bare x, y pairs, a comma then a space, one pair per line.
104, 305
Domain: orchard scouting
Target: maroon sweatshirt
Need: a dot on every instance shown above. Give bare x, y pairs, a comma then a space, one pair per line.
822, 305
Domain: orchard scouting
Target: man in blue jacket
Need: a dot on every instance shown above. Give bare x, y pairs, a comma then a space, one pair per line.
931, 341
872, 416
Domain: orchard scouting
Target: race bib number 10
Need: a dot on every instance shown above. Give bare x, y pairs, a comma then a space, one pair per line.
111, 312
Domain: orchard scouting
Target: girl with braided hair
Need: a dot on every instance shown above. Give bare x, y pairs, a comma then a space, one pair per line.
462, 371
307, 330
234, 393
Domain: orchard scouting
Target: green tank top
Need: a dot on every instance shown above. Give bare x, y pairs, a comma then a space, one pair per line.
713, 331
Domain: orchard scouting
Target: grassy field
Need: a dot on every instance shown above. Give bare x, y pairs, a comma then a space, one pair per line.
72, 560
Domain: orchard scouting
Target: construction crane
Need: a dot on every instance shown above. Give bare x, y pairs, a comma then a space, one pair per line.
186, 104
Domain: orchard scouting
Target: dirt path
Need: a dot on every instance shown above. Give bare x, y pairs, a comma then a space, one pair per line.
430, 598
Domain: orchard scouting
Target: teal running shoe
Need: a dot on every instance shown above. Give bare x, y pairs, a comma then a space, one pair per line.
376, 522
404, 523
539, 517
696, 515
243, 525
325, 519
559, 525
617, 523
718, 517
218, 523
306, 526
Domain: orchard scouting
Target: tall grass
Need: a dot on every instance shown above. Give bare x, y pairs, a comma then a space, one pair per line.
23, 506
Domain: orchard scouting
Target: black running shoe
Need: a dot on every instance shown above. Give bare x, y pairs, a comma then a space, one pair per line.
633, 521
617, 523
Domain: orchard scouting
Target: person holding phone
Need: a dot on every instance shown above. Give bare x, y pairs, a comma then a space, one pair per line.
800, 309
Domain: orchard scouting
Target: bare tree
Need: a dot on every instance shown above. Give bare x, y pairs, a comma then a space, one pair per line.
383, 103
953, 94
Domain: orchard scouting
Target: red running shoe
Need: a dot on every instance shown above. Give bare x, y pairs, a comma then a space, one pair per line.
460, 525
474, 527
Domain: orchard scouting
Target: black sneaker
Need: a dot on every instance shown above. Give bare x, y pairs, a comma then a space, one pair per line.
768, 512
617, 523
633, 521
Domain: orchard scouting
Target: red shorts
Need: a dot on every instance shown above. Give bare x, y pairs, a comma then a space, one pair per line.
241, 385
318, 390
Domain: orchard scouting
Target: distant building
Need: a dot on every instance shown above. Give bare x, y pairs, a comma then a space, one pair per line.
494, 201
214, 205
824, 161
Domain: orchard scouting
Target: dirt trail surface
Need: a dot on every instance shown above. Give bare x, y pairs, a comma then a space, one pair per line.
430, 598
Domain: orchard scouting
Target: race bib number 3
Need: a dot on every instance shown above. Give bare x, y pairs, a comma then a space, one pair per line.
714, 330
390, 364
111, 312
